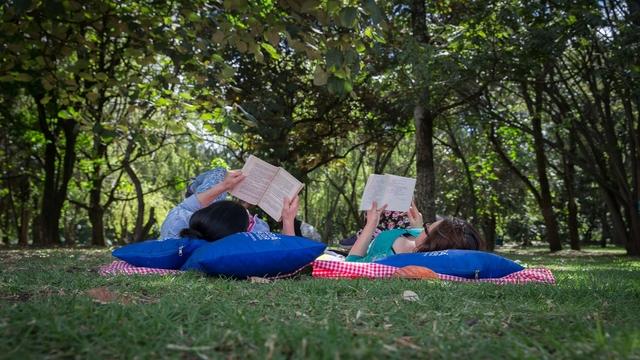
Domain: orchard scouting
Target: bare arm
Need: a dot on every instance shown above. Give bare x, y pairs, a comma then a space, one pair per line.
232, 179
289, 212
415, 216
361, 245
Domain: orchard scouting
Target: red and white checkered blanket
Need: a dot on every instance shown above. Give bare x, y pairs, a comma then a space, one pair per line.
349, 270
353, 270
120, 267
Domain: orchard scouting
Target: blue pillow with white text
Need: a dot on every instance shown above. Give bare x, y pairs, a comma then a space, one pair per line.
261, 254
161, 254
470, 264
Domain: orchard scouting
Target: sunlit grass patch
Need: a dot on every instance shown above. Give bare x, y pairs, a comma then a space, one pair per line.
53, 303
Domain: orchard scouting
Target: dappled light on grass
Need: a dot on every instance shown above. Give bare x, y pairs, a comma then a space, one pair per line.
591, 312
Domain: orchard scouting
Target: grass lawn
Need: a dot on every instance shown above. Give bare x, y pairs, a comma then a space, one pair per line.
48, 309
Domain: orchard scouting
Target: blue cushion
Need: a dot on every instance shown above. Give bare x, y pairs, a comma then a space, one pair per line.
469, 264
162, 254
254, 254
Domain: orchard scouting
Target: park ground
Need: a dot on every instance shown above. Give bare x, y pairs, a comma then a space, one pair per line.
54, 304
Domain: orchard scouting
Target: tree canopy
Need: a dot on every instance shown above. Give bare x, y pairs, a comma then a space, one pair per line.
521, 116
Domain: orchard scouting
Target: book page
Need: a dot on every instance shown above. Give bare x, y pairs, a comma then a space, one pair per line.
282, 185
258, 174
373, 191
398, 192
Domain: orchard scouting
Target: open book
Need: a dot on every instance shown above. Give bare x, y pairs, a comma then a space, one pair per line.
266, 185
395, 191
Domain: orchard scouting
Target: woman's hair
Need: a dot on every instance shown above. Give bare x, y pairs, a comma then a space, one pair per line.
216, 221
452, 233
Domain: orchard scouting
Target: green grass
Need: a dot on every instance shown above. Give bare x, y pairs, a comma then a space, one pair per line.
45, 311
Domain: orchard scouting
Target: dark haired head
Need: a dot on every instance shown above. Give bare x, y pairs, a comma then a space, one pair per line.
216, 221
451, 233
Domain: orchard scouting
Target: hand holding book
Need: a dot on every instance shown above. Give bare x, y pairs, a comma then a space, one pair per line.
267, 186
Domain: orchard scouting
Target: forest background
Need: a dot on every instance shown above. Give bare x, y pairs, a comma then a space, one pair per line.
521, 116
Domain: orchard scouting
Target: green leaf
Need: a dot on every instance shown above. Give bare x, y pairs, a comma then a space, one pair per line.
218, 37
92, 96
64, 114
271, 50
102, 76
333, 58
320, 76
335, 85
333, 5
162, 102
373, 10
22, 77
348, 16
227, 72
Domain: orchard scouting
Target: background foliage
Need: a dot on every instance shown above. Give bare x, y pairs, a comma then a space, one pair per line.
522, 116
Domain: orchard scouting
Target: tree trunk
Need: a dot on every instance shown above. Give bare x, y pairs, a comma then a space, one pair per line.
546, 204
606, 229
56, 183
95, 209
36, 232
489, 231
96, 217
25, 218
618, 229
48, 218
572, 208
426, 179
138, 230
534, 107
633, 219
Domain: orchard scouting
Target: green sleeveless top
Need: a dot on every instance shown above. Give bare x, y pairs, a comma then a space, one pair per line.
380, 247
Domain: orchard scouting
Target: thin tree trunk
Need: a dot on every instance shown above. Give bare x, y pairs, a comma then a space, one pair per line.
425, 170
572, 207
25, 218
138, 230
618, 229
96, 218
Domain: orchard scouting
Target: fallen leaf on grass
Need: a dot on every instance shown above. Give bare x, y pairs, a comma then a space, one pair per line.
103, 295
189, 348
409, 295
390, 347
258, 280
407, 341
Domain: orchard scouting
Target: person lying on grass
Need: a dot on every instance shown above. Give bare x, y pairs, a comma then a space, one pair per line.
204, 214
447, 233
